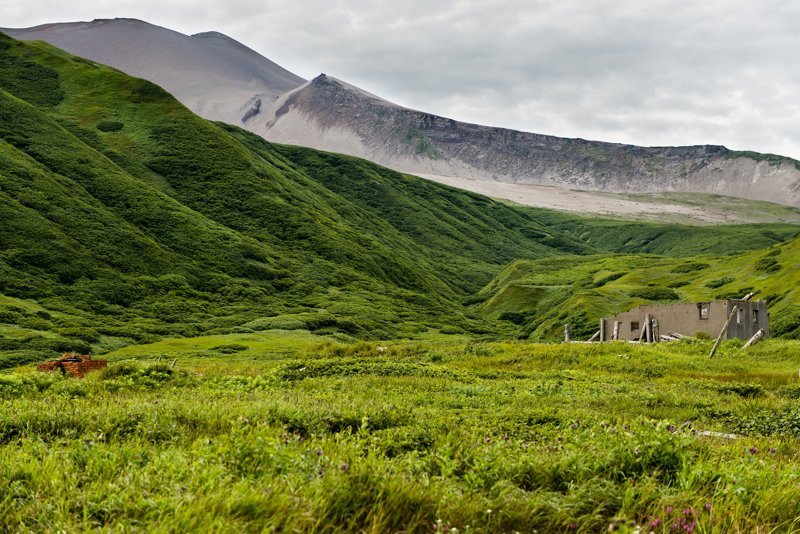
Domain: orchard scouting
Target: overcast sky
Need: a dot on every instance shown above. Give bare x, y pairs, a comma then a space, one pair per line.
654, 72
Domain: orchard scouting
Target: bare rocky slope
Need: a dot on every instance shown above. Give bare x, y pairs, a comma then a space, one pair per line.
222, 79
213, 75
329, 114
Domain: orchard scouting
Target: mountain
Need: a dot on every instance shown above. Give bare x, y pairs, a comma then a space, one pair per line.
329, 114
212, 74
221, 79
127, 218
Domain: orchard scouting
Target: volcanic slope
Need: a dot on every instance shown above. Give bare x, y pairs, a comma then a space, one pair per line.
212, 74
329, 114
126, 218
222, 79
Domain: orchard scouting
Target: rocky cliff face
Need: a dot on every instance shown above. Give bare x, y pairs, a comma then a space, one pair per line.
329, 114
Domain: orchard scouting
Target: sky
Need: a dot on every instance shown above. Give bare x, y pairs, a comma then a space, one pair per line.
655, 72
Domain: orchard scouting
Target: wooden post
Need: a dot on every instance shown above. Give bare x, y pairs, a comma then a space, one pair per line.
594, 337
647, 329
755, 339
566, 333
616, 331
733, 313
174, 362
656, 333
722, 333
642, 328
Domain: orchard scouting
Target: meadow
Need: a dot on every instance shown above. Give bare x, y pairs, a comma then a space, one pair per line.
279, 431
240, 290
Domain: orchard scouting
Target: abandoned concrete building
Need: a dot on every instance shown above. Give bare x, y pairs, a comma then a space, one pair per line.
688, 319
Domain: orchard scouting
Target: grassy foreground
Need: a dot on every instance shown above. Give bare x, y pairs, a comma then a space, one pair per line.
280, 431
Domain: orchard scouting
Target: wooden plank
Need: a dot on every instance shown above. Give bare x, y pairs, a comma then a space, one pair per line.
722, 332
566, 333
733, 313
710, 434
616, 331
594, 337
755, 339
641, 329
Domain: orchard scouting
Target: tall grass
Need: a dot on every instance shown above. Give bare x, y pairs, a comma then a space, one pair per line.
410, 437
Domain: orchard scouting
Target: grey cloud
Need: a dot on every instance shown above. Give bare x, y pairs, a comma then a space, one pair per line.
662, 72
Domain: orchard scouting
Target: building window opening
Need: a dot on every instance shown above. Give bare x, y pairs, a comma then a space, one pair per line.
634, 325
704, 308
755, 316
739, 316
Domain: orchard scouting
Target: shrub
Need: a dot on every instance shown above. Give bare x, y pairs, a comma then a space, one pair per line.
789, 392
714, 284
118, 370
678, 283
767, 264
610, 278
787, 323
110, 126
230, 349
747, 391
655, 293
515, 317
690, 267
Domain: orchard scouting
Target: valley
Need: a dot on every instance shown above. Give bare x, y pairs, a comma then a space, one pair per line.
309, 341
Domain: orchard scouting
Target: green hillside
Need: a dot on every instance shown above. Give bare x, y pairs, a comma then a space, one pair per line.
541, 296
126, 219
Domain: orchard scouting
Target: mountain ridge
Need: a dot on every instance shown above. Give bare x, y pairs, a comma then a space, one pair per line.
331, 114
210, 72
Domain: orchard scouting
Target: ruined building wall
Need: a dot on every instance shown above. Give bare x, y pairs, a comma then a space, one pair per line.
687, 319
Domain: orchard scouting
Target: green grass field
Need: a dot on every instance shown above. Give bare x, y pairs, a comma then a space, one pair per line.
286, 432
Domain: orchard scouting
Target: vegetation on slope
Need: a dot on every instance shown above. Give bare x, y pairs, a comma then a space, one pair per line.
127, 219
170, 224
402, 437
541, 295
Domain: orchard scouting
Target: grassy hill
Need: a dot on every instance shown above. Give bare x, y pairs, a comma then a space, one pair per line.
126, 218
541, 295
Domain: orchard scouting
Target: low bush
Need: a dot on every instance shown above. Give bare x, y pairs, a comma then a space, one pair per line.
655, 293
719, 282
110, 126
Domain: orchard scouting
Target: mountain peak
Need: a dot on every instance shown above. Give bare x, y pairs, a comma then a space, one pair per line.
211, 73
